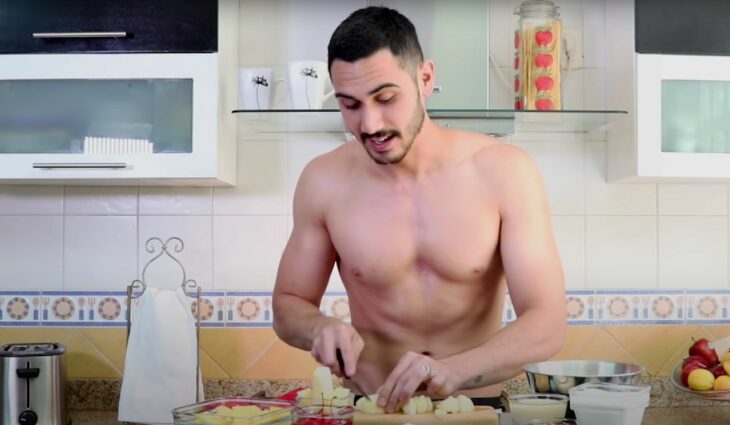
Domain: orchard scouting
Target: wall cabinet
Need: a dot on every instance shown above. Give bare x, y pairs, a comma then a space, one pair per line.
110, 114
58, 26
679, 104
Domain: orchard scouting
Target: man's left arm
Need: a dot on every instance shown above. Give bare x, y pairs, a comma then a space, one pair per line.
536, 286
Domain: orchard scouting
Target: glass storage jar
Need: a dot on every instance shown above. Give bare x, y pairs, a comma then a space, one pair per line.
537, 56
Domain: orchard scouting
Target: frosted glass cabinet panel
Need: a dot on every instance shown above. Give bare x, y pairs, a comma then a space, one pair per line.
130, 116
695, 116
116, 119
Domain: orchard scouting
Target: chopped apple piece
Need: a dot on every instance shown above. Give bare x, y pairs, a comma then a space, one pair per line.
465, 404
322, 383
440, 413
411, 406
450, 405
366, 406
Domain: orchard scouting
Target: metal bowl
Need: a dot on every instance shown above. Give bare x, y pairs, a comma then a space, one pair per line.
560, 376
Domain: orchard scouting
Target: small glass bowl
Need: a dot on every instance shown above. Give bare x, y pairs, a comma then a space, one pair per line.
524, 407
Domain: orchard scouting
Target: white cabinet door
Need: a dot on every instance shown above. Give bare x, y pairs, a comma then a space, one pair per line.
683, 115
115, 118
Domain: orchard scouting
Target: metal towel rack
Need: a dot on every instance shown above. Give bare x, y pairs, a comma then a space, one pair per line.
137, 284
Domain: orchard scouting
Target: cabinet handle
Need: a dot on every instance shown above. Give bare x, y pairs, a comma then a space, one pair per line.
79, 165
108, 34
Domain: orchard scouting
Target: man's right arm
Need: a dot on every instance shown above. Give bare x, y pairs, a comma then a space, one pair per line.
304, 272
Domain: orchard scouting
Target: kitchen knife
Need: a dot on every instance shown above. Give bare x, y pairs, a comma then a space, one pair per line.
341, 363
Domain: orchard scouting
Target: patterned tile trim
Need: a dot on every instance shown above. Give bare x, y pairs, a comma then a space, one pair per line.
247, 309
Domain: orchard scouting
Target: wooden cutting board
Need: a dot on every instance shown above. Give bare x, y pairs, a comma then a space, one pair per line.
483, 415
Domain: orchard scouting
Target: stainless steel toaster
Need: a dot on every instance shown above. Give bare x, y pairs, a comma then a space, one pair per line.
32, 384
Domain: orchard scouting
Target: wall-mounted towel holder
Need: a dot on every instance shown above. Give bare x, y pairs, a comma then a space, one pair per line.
137, 288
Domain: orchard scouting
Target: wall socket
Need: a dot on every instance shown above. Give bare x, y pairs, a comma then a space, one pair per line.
572, 48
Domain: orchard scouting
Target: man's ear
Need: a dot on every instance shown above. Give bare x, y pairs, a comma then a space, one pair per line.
426, 77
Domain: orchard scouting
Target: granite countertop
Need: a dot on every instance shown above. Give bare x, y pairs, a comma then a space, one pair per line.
652, 416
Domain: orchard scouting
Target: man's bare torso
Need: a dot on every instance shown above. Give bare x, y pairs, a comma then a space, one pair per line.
419, 257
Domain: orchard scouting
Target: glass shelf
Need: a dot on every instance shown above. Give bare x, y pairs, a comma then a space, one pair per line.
488, 121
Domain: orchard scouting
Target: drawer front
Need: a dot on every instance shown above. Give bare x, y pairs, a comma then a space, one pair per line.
93, 26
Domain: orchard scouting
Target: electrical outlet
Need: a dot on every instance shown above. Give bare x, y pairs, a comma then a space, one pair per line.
572, 48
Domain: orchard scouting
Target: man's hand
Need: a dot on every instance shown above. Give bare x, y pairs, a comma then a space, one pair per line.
334, 334
412, 371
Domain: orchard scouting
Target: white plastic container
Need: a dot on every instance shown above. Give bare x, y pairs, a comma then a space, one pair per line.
609, 404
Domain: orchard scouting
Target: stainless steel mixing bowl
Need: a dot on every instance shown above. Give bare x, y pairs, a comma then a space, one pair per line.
560, 376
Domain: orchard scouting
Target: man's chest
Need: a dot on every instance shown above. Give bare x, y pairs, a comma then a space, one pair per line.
449, 232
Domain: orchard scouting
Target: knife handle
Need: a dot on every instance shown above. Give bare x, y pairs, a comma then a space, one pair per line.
341, 363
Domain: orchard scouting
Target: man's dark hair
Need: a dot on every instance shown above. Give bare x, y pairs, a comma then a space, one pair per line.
370, 29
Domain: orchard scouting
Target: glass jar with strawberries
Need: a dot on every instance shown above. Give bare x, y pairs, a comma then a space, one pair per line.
537, 56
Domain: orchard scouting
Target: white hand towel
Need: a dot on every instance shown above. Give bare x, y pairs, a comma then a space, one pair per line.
159, 369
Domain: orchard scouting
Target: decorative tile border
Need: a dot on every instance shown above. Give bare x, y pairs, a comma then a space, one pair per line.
246, 309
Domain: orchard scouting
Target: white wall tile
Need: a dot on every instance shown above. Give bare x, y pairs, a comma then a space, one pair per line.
502, 25
614, 199
621, 252
300, 152
31, 252
175, 200
693, 199
501, 88
572, 89
40, 200
594, 89
261, 187
561, 166
570, 237
100, 252
594, 36
693, 252
100, 200
196, 256
247, 250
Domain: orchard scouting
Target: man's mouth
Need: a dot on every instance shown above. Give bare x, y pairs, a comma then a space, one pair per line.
380, 142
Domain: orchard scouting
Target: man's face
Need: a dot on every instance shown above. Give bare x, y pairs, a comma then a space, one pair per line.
380, 103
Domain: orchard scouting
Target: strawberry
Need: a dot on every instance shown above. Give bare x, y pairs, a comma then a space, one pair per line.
544, 37
544, 104
544, 83
543, 60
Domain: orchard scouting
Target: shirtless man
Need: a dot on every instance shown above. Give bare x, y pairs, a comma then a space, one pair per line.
428, 227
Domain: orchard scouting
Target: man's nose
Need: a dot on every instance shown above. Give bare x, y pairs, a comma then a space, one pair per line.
372, 120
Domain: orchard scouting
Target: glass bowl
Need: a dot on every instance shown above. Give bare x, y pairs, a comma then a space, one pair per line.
709, 394
524, 407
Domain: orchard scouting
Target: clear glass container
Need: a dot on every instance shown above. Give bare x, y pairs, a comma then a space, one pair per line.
537, 56
234, 411
524, 407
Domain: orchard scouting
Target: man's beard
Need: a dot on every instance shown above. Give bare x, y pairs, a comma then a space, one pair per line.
412, 130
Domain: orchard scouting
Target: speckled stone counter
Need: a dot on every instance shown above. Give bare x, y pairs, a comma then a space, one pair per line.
94, 402
653, 416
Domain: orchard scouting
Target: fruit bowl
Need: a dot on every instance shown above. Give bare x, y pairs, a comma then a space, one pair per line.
720, 346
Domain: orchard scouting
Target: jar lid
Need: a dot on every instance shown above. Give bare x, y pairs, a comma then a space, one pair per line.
537, 8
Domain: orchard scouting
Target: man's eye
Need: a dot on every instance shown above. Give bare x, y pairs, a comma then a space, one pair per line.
386, 99
350, 105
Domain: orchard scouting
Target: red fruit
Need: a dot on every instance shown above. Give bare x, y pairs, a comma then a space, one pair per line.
543, 38
517, 62
517, 39
699, 359
543, 60
544, 83
518, 105
718, 370
686, 370
517, 85
702, 348
543, 104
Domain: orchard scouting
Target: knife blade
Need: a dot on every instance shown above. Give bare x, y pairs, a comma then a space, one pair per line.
358, 388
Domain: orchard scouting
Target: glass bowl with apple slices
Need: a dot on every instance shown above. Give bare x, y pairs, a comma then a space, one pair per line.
699, 348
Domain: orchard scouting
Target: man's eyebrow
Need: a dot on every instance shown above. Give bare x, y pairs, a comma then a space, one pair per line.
371, 92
